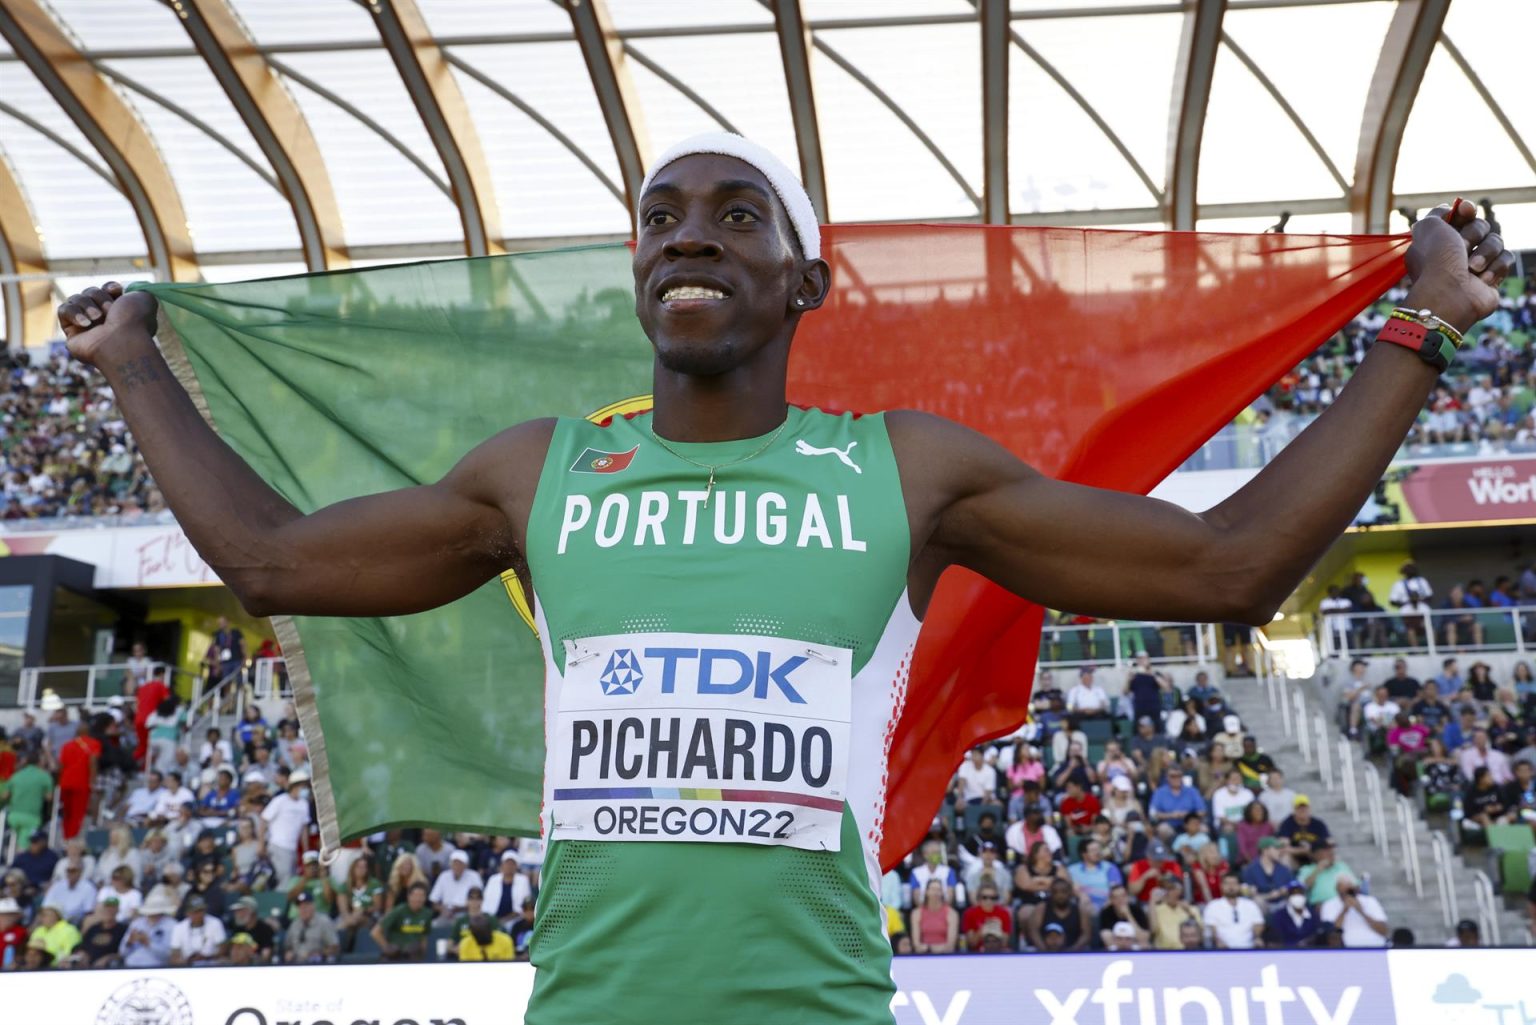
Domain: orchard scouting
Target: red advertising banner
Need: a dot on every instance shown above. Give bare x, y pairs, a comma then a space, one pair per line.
1459, 492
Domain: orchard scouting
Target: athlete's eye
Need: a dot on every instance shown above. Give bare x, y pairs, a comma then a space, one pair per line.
656, 218
740, 215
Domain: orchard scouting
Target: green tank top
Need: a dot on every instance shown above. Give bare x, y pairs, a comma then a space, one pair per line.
724, 670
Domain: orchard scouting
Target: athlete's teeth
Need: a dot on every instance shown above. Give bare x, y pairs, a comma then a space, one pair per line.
691, 292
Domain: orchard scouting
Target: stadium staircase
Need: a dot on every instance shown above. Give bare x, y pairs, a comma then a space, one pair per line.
1421, 881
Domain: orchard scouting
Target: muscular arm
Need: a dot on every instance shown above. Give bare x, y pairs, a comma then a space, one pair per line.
390, 554
1120, 556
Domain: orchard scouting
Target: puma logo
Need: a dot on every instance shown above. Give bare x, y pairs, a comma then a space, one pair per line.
807, 449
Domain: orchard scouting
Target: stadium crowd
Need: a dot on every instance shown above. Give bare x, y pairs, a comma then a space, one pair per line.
1178, 834
203, 850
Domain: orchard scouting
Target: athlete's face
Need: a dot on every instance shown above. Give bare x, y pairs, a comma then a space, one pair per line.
712, 224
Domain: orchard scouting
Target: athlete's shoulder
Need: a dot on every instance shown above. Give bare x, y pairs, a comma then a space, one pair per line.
939, 453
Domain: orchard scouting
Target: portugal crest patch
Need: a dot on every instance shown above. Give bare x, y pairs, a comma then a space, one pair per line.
595, 460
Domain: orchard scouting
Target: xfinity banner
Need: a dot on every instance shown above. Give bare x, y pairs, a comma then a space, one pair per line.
1334, 987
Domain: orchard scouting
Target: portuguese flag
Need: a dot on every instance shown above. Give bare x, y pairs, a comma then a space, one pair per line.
1103, 357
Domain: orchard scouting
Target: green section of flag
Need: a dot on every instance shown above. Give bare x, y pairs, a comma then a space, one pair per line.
353, 382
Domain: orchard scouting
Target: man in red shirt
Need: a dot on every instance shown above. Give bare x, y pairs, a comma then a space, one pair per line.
1079, 807
146, 699
1154, 869
979, 914
77, 774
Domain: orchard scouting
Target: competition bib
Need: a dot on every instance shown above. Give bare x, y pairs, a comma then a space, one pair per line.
710, 738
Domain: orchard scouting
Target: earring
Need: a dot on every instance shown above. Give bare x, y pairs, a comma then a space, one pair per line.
799, 302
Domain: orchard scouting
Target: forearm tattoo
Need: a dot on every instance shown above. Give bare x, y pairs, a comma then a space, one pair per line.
137, 372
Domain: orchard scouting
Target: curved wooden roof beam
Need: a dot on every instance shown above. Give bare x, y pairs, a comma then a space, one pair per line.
276, 122
1193, 73
429, 79
603, 51
28, 299
111, 126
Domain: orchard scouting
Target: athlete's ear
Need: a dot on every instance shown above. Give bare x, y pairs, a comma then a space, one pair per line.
815, 283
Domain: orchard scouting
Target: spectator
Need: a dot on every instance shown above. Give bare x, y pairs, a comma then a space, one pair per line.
155, 854
283, 824
1079, 808
1094, 877
13, 936
1401, 687
1267, 876
120, 852
77, 775
143, 800
433, 853
1407, 740
1301, 830
1277, 798
1235, 922
1355, 690
1155, 870
984, 833
1193, 838
103, 935
1448, 682
59, 935
1168, 912
1467, 935
1172, 801
1087, 700
360, 902
37, 955
976, 780
1205, 871
1294, 923
312, 938
404, 873
1429, 709
985, 910
1322, 876
521, 929
1063, 910
1032, 879
172, 796
1458, 732
985, 870
1145, 743
933, 868
1120, 912
1410, 596
402, 933
1482, 805
164, 730
208, 886
215, 750
1359, 917
37, 861
24, 795
1145, 691
121, 889
1254, 765
244, 921
1479, 754
315, 881
1519, 796
1122, 803
1379, 714
147, 943
1026, 767
483, 942
1074, 764
1031, 829
1228, 802
199, 938
1116, 763
1231, 736
934, 924
74, 896
1252, 831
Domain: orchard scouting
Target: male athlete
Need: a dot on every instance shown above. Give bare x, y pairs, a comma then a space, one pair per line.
727, 609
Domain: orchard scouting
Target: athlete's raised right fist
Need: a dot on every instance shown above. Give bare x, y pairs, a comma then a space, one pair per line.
92, 318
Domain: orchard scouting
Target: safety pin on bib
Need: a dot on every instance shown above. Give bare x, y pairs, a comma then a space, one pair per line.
820, 657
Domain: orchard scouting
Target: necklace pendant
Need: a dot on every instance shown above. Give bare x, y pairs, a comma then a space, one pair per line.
709, 488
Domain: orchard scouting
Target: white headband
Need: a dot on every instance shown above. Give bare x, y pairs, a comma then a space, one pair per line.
797, 203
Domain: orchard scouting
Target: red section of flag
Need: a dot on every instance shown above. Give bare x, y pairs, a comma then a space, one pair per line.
1101, 357
595, 460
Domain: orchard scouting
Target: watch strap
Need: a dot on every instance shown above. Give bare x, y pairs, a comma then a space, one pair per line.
1431, 345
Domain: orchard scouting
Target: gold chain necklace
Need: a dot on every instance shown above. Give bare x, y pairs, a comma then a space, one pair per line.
709, 489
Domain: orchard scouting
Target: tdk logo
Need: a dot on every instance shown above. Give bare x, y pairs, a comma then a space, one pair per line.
718, 671
622, 673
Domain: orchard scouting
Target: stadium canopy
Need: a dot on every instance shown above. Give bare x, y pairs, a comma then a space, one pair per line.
218, 139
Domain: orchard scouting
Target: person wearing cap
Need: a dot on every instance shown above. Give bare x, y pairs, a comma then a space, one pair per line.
988, 910
147, 943
474, 907
13, 935
450, 891
1359, 917
1123, 938
103, 933
311, 937
1301, 830
1294, 922
37, 860
25, 794
1321, 878
315, 881
36, 956
727, 262
283, 823
1467, 936
988, 867
521, 928
242, 951
1267, 876
507, 889
198, 939
1230, 736
244, 919
1155, 869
